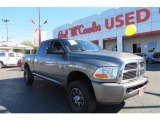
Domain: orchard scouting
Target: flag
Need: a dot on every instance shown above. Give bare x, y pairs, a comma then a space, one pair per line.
45, 22
33, 21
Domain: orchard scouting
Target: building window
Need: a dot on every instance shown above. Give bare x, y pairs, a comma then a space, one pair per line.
125, 48
137, 48
114, 48
152, 46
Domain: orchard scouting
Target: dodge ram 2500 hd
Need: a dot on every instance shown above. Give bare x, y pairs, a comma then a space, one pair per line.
90, 75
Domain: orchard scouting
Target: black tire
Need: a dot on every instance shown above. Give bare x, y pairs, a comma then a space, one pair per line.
1, 65
28, 76
87, 100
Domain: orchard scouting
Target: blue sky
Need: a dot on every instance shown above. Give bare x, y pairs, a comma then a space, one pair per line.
21, 28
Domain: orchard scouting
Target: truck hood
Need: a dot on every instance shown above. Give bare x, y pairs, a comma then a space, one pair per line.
104, 57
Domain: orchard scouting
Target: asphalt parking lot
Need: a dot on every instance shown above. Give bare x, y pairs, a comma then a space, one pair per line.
47, 97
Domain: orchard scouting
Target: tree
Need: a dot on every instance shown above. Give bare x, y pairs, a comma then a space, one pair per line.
35, 49
29, 43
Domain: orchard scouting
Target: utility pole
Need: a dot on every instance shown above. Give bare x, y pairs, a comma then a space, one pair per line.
39, 25
6, 21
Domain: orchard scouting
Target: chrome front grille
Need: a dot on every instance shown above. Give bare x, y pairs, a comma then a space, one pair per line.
130, 66
142, 64
133, 70
129, 75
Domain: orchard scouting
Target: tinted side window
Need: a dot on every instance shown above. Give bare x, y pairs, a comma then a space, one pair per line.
11, 55
2, 54
43, 47
58, 46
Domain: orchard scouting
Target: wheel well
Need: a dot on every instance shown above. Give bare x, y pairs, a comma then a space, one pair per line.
1, 62
26, 65
76, 75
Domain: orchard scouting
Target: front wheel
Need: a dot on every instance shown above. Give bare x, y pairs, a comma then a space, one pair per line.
80, 97
28, 76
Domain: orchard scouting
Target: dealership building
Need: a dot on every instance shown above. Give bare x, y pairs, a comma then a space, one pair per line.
107, 29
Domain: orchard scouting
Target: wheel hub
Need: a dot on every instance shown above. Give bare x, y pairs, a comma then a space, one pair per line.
77, 98
26, 76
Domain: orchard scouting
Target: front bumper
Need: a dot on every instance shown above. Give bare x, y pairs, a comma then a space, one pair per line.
113, 93
155, 60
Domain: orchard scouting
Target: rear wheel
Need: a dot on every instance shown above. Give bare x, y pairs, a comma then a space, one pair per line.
28, 76
1, 65
80, 97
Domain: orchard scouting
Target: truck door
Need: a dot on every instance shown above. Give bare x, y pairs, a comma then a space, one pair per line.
41, 58
11, 59
57, 60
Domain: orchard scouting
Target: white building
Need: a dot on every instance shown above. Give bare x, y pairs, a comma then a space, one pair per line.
107, 29
11, 46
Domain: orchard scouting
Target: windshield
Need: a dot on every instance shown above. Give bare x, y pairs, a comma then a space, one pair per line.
80, 45
2, 54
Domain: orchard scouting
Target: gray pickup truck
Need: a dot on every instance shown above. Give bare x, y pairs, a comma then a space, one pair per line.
90, 75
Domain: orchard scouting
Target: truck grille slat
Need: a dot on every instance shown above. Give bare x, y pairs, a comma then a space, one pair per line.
129, 75
131, 66
133, 70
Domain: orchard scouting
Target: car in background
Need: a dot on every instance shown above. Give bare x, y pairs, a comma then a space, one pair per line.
19, 55
20, 60
8, 59
143, 55
155, 57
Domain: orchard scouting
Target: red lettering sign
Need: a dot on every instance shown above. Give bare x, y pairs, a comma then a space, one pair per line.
110, 23
146, 17
127, 18
119, 21
63, 35
79, 29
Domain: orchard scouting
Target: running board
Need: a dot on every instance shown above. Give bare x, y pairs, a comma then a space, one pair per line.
46, 78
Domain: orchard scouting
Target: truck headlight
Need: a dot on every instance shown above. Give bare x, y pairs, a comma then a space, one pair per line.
106, 73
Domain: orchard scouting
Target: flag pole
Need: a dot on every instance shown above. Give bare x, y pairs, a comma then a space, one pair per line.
39, 25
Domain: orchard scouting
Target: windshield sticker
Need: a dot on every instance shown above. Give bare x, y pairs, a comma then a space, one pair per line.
72, 42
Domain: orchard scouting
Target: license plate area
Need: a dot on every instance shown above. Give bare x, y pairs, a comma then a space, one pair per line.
139, 88
141, 91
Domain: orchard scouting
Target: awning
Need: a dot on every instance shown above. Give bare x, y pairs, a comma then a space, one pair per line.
12, 45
